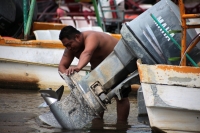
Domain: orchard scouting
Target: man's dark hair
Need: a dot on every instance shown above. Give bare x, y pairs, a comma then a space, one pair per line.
68, 32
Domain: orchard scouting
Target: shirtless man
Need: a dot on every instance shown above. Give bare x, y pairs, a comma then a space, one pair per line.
89, 47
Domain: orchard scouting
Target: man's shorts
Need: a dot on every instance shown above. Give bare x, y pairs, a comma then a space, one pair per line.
126, 91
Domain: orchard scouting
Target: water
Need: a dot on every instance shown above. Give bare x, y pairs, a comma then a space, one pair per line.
19, 113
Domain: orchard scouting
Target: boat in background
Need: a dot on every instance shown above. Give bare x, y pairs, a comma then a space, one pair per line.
33, 64
29, 64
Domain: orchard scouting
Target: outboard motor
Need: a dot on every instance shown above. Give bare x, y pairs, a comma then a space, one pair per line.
141, 38
150, 43
11, 17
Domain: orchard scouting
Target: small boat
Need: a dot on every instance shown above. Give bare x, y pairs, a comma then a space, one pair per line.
171, 95
30, 63
33, 64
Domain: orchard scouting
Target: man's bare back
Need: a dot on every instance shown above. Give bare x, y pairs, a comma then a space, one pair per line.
106, 44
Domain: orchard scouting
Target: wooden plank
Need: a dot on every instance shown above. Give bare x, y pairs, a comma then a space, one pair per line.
47, 26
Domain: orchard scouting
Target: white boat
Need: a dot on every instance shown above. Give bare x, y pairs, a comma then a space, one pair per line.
33, 64
172, 96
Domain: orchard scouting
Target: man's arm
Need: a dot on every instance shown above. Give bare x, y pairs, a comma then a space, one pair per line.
91, 44
65, 61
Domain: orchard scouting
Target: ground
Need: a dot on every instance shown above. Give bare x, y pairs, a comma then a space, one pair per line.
19, 113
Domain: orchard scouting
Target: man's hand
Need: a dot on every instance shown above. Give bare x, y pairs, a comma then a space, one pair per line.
71, 70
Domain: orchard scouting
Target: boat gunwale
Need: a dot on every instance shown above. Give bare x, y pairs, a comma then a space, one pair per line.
169, 74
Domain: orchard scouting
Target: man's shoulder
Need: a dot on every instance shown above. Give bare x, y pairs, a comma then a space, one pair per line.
91, 35
96, 34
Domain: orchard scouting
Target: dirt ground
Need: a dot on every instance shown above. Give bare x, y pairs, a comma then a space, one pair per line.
19, 114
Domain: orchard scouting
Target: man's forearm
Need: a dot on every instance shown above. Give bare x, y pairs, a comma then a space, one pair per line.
61, 68
84, 60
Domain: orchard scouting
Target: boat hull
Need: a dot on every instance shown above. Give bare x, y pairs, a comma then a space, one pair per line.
172, 107
28, 76
171, 95
32, 66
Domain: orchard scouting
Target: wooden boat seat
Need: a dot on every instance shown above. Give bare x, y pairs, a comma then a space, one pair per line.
94, 28
67, 20
47, 34
81, 21
53, 35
